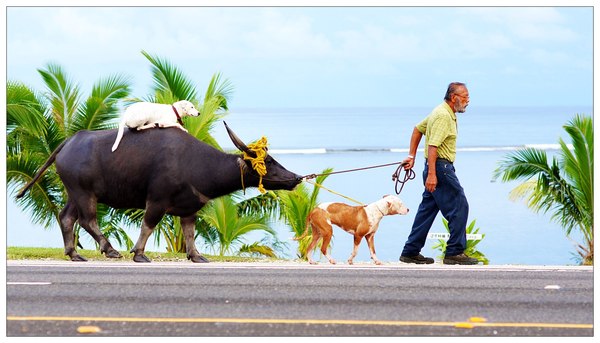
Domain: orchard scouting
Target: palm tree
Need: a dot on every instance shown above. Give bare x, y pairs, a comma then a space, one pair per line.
171, 85
224, 218
295, 206
564, 187
38, 122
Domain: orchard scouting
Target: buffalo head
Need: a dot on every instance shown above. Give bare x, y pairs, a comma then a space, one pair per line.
277, 177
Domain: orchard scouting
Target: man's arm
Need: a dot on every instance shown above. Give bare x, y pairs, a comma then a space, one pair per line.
431, 181
415, 139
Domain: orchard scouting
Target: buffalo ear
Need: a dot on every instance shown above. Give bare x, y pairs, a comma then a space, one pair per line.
237, 141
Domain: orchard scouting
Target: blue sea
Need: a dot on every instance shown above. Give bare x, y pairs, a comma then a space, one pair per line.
309, 140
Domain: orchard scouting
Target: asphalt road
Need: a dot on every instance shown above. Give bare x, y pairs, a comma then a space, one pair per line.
227, 299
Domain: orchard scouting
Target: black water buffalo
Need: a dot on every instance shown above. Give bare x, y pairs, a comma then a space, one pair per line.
164, 171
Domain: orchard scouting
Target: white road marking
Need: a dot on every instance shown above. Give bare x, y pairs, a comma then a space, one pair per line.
552, 287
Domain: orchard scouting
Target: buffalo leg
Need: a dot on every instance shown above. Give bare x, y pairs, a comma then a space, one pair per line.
188, 224
68, 217
152, 217
87, 220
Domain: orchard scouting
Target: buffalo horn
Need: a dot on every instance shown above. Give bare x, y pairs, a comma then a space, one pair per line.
237, 141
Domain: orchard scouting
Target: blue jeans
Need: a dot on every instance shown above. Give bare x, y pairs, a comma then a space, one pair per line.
449, 198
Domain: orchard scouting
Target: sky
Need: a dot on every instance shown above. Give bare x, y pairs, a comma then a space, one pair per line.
320, 56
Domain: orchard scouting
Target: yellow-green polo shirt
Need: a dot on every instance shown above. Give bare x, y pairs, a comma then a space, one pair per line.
440, 130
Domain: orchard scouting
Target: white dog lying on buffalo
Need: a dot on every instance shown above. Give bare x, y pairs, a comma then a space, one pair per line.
360, 221
146, 115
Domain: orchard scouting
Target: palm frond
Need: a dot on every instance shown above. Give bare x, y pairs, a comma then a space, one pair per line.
212, 110
111, 222
266, 204
170, 84
295, 206
578, 164
222, 214
319, 180
522, 165
101, 107
24, 111
219, 92
63, 96
45, 197
257, 249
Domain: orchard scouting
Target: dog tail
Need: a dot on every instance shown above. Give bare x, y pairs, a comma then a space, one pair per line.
119, 135
305, 230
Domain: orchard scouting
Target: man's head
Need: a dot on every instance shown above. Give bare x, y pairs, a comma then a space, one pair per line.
457, 97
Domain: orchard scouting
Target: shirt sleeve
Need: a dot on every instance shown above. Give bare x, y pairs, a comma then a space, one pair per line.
422, 126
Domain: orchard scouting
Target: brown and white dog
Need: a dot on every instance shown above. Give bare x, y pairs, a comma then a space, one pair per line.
360, 221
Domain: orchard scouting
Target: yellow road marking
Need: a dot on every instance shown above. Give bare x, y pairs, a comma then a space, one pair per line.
301, 321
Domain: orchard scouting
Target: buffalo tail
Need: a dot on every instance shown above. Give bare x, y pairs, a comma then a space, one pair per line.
42, 170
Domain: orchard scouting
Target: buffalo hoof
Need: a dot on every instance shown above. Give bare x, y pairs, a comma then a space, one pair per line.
198, 259
112, 253
141, 258
78, 258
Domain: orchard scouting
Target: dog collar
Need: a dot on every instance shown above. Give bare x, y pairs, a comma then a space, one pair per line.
177, 114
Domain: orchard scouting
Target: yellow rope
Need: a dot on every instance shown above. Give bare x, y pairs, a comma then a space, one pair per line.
258, 163
336, 193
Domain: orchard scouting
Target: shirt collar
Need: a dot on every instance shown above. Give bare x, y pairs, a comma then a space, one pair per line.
452, 114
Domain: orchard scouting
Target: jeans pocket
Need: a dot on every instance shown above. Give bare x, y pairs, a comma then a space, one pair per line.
447, 169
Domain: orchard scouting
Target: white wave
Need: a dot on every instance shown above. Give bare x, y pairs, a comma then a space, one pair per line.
314, 151
547, 146
298, 151
489, 148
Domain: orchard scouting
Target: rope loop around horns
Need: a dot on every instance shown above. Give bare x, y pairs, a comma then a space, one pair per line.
259, 148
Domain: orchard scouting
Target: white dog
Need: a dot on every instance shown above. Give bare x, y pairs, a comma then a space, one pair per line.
146, 115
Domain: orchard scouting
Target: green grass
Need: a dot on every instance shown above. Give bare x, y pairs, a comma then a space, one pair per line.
24, 253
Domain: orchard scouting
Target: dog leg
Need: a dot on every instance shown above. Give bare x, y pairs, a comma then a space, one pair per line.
313, 243
311, 246
147, 126
325, 245
165, 125
371, 242
357, 240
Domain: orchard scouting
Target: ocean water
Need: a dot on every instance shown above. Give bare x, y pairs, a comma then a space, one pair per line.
307, 141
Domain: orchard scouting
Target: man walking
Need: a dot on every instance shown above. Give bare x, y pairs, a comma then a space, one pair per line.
443, 191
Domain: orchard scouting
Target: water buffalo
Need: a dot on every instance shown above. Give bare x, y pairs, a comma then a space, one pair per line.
164, 171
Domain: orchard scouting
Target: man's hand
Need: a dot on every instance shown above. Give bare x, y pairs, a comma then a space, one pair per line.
431, 183
409, 163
